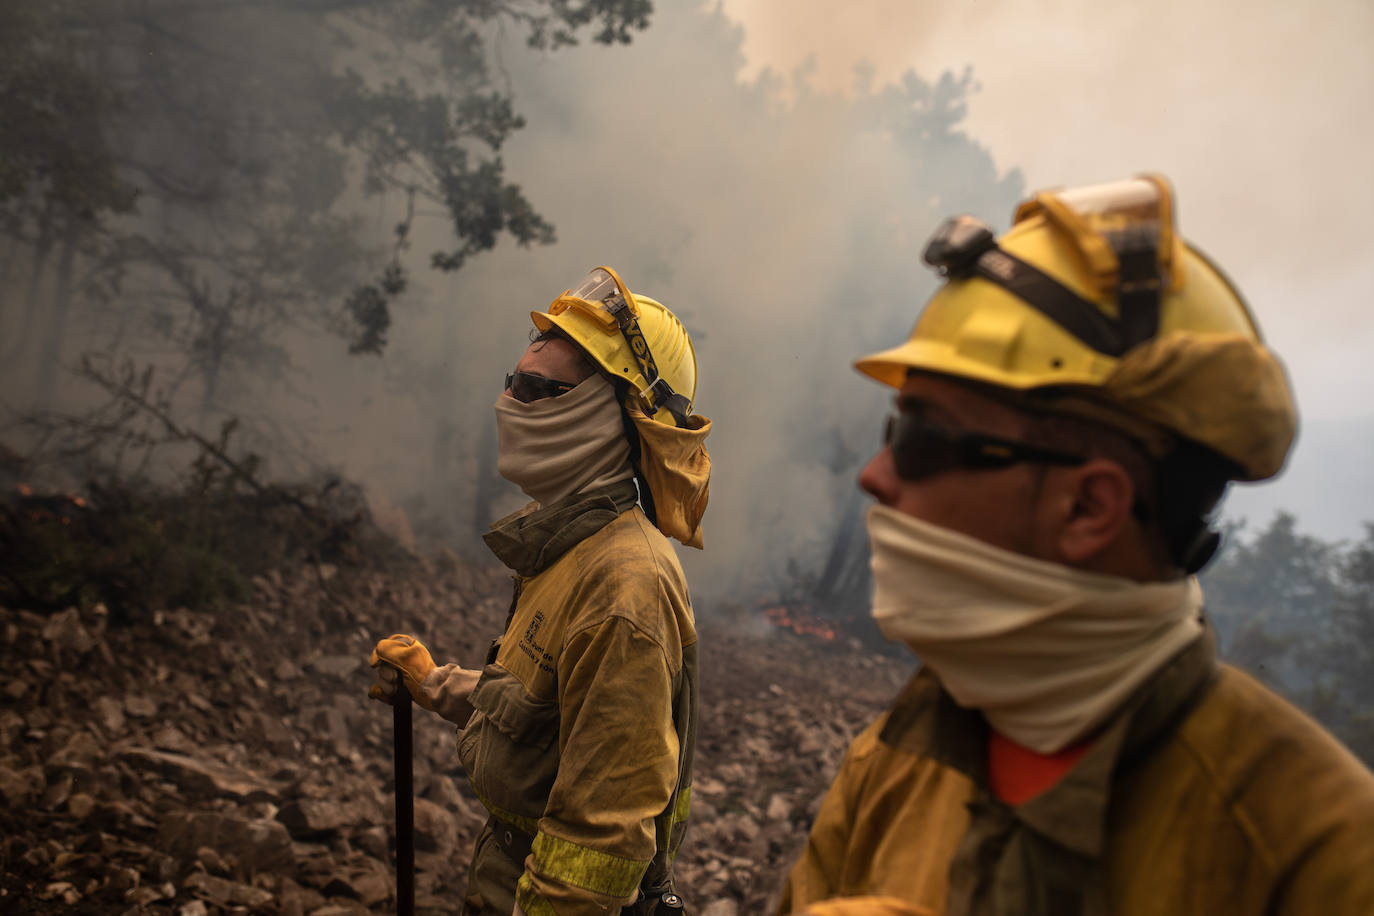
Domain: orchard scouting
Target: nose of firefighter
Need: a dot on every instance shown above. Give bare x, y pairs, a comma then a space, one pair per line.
879, 477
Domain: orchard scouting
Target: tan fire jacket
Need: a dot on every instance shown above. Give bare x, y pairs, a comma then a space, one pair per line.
1208, 794
582, 737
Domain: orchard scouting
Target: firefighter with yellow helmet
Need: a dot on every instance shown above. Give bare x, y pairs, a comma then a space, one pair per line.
1070, 407
578, 734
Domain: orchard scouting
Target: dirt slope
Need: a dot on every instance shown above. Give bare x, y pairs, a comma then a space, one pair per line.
197, 764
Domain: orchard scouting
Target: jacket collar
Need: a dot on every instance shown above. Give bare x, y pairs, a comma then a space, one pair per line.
530, 540
1073, 812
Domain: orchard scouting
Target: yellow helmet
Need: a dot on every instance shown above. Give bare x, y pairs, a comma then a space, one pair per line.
1091, 301
631, 337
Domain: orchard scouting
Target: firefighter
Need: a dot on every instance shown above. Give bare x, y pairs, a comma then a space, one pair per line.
578, 734
1070, 407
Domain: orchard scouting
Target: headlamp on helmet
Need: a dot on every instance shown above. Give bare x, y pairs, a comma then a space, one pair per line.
957, 245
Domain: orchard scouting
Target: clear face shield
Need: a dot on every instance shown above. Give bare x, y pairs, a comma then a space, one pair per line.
1123, 229
602, 296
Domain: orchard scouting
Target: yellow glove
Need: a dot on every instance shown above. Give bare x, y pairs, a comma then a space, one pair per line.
407, 655
865, 906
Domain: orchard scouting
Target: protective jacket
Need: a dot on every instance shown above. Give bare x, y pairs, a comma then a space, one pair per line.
581, 741
1206, 794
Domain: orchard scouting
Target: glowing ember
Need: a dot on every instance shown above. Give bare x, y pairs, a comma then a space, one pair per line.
799, 622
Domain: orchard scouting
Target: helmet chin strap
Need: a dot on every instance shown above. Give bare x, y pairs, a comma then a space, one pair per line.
964, 247
657, 393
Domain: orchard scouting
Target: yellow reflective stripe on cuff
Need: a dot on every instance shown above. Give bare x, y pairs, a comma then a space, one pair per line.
681, 807
531, 904
589, 869
527, 824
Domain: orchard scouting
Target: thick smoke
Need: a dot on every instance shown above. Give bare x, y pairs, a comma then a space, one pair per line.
782, 223
786, 235
1259, 114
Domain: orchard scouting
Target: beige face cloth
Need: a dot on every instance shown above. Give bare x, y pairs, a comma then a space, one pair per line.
554, 447
1045, 652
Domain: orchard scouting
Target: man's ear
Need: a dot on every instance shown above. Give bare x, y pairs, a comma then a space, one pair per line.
1099, 511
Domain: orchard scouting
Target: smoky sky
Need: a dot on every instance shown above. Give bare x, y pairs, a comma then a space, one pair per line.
781, 215
780, 208
784, 230
1258, 112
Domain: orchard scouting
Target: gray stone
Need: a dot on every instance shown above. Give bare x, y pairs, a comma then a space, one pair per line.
443, 791
110, 714
18, 788
61, 890
373, 841
202, 776
80, 806
263, 728
146, 894
336, 665
435, 828
330, 723
372, 882
741, 825
214, 863
722, 907
170, 738
58, 791
67, 634
79, 753
778, 808
225, 892
140, 707
255, 845
310, 817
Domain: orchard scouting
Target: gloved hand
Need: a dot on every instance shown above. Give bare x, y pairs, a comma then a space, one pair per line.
407, 655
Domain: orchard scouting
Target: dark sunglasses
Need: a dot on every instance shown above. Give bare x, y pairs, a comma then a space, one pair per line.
526, 386
921, 450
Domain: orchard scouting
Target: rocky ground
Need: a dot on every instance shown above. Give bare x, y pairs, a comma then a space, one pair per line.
192, 763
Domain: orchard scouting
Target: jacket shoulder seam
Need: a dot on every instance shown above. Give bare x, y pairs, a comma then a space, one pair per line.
614, 616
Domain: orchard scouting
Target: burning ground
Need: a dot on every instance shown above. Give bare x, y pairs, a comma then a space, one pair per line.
169, 758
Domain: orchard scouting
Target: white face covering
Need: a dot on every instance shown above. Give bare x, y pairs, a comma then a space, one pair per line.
554, 447
1047, 653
